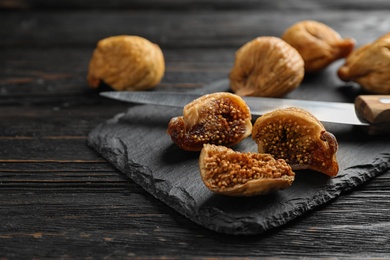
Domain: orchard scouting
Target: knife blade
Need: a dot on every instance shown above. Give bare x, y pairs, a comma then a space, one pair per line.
334, 112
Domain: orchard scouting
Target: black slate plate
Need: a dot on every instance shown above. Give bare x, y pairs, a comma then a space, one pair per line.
136, 143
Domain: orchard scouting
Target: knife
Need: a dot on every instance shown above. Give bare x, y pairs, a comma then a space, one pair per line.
372, 111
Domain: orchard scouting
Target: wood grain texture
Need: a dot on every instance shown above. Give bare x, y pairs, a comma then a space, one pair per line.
60, 199
173, 29
195, 4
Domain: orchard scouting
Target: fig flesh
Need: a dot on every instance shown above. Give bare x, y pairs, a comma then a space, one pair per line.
232, 173
219, 118
298, 137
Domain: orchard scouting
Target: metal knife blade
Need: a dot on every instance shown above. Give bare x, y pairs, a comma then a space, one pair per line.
334, 112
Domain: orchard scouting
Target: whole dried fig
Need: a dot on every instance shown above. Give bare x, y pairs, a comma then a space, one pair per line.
219, 118
298, 137
318, 44
369, 66
227, 172
266, 67
126, 62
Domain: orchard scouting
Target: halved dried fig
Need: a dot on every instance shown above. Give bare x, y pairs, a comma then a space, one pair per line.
219, 118
126, 62
318, 44
369, 66
298, 137
227, 172
266, 67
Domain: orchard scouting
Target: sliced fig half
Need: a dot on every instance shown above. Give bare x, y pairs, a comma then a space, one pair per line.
295, 135
220, 118
232, 173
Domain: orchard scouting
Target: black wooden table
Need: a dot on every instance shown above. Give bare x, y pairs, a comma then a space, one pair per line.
60, 199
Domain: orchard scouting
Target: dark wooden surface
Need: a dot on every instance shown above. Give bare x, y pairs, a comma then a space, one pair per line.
61, 199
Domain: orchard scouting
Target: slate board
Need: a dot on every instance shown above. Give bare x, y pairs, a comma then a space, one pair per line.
136, 143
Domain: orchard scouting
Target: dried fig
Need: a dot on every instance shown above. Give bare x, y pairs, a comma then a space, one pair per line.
227, 172
369, 66
126, 63
298, 137
266, 67
318, 44
219, 118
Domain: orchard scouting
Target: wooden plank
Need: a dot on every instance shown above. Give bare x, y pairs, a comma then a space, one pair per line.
175, 29
40, 149
54, 122
108, 224
60, 79
194, 4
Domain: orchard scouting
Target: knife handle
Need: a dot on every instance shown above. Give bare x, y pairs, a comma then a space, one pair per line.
375, 109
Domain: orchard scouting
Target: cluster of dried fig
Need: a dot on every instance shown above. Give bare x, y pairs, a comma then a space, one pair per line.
267, 67
272, 67
126, 63
369, 66
318, 44
288, 139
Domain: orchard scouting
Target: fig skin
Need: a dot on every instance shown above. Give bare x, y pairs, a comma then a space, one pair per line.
219, 118
126, 62
318, 44
231, 173
369, 66
295, 135
266, 67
